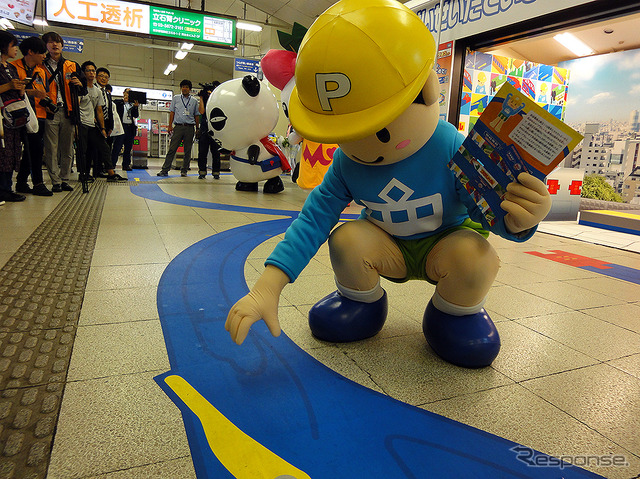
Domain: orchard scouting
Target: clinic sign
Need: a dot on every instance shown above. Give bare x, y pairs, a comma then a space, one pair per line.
463, 18
145, 19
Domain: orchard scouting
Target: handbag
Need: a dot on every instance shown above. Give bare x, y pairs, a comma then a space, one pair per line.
32, 123
15, 113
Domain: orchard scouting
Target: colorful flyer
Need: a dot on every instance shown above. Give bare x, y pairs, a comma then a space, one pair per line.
512, 135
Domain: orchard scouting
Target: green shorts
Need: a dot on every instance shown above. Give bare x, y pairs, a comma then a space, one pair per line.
415, 252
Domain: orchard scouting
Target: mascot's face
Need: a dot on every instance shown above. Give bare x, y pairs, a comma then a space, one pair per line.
241, 111
403, 136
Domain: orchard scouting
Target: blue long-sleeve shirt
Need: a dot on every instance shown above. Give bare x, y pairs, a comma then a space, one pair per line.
411, 199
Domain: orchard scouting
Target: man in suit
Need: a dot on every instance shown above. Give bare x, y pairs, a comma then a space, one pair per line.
128, 113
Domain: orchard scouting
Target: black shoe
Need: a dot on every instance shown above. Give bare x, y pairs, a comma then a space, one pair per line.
11, 196
116, 177
41, 190
23, 188
56, 188
201, 176
90, 179
66, 186
162, 173
127, 168
102, 174
183, 174
216, 177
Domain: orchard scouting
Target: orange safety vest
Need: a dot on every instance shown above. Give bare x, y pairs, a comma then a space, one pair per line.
39, 76
68, 67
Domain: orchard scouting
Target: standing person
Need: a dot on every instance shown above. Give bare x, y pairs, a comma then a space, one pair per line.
117, 134
128, 112
91, 130
11, 88
30, 66
206, 142
63, 81
101, 81
184, 114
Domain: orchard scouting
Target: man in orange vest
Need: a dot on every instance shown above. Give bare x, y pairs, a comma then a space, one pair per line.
63, 81
30, 67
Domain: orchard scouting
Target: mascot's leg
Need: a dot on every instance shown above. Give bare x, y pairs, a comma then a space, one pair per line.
360, 252
273, 185
456, 326
242, 186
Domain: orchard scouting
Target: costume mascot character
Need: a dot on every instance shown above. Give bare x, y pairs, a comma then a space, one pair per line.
241, 113
365, 80
278, 67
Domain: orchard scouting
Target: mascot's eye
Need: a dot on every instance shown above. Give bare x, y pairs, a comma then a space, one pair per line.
384, 136
218, 119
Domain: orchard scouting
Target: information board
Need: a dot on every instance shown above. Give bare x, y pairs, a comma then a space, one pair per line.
132, 18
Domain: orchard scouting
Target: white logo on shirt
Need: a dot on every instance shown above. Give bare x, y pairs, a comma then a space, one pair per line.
402, 216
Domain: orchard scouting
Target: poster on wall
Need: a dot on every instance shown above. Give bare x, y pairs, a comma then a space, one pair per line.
443, 70
485, 73
605, 89
21, 11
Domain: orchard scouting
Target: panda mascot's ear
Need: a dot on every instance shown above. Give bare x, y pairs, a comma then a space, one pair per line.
431, 89
251, 85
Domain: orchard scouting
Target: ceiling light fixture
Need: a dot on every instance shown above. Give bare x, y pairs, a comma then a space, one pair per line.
576, 46
249, 26
170, 68
6, 24
186, 46
181, 54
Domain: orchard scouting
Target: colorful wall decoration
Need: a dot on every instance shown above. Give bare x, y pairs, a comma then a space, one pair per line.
484, 74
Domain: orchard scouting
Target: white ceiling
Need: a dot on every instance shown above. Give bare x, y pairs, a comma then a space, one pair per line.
604, 37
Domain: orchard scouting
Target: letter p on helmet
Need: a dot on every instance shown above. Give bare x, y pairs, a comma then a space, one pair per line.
330, 86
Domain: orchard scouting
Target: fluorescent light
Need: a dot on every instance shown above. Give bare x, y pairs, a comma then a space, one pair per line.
578, 47
249, 26
170, 67
6, 24
41, 22
186, 46
181, 54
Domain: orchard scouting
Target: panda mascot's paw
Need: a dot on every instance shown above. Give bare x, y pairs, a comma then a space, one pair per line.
273, 185
242, 186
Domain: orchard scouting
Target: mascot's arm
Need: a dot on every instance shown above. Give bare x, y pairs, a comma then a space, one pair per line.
527, 202
253, 153
306, 234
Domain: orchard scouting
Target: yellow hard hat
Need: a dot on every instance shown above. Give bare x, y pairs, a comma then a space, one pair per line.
360, 65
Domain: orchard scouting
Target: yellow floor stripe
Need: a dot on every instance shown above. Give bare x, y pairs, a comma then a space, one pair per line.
622, 214
240, 454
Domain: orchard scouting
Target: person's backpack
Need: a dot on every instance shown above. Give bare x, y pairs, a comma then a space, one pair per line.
15, 113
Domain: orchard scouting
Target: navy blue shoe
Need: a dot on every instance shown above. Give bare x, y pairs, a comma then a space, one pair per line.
340, 320
470, 341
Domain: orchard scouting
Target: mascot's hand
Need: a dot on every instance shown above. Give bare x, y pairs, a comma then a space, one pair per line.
527, 202
260, 303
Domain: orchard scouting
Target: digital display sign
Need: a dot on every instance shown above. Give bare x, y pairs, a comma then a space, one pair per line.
145, 19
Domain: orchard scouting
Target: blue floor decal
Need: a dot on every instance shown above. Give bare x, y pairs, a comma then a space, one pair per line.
306, 419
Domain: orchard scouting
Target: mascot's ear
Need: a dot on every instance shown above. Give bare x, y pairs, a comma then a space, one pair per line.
251, 85
431, 89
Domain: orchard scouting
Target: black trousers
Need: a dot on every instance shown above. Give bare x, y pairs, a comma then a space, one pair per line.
90, 142
206, 143
31, 163
130, 130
